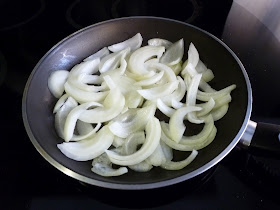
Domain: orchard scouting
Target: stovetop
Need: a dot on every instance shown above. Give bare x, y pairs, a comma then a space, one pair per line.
28, 30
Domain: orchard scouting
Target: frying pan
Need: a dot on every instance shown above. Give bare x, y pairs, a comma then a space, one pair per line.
38, 103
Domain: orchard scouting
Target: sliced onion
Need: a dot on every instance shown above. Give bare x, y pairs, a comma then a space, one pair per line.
99, 54
152, 140
171, 165
112, 61
56, 82
88, 149
102, 166
203, 96
166, 110
132, 121
159, 91
168, 72
150, 81
186, 147
61, 115
136, 63
178, 94
193, 56
191, 98
176, 122
89, 134
174, 53
159, 42
84, 96
133, 43
60, 102
73, 116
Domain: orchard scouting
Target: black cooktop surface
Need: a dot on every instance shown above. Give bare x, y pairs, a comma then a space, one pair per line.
240, 181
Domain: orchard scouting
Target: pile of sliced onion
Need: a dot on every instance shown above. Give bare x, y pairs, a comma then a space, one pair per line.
106, 108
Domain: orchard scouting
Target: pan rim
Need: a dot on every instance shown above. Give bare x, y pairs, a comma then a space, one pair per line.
154, 185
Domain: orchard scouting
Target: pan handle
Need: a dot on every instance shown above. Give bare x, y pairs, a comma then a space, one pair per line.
262, 139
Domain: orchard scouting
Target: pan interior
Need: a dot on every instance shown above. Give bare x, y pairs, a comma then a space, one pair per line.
38, 101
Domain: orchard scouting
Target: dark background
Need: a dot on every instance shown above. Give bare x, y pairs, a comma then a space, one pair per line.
28, 29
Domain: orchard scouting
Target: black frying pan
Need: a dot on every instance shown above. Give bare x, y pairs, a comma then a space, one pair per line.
38, 102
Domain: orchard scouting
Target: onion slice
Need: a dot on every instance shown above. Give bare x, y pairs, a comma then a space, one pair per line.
88, 149
152, 140
56, 82
133, 43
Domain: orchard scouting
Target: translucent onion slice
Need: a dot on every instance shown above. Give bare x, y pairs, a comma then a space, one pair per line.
132, 121
99, 54
191, 98
84, 96
159, 91
166, 110
112, 61
78, 83
171, 165
193, 56
112, 107
178, 94
136, 63
56, 82
88, 149
85, 130
130, 147
174, 53
186, 147
118, 141
157, 158
201, 67
73, 116
219, 113
168, 72
159, 42
167, 151
153, 133
176, 122
61, 115
202, 135
203, 96
177, 68
133, 43
87, 67
102, 166
206, 107
60, 102
208, 75
150, 81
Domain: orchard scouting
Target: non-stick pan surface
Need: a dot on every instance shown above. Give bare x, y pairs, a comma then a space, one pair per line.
38, 102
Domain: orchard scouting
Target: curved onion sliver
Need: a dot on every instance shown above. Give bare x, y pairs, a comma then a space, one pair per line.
171, 165
102, 166
186, 147
61, 115
112, 61
152, 140
72, 118
159, 42
174, 53
176, 122
99, 54
60, 103
56, 82
133, 43
193, 56
159, 91
136, 63
132, 121
112, 107
88, 149
84, 96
